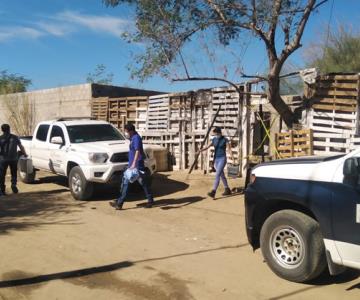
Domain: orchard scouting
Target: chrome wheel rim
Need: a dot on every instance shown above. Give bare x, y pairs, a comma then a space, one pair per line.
287, 247
76, 183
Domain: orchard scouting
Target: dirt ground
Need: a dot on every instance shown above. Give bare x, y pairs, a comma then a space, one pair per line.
187, 247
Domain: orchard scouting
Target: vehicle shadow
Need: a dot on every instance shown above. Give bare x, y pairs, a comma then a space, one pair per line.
54, 179
32, 209
327, 279
324, 280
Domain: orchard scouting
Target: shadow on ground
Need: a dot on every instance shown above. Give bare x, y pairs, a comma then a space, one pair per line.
325, 279
28, 210
162, 185
30, 279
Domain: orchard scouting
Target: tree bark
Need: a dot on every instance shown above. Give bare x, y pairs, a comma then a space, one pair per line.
278, 103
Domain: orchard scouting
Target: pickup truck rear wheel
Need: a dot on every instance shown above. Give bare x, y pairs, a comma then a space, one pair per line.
292, 245
80, 188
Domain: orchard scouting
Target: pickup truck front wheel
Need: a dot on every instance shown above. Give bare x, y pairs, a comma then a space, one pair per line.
292, 245
80, 188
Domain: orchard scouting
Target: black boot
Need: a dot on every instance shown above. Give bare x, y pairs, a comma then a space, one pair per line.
116, 206
227, 192
149, 205
14, 189
3, 191
212, 194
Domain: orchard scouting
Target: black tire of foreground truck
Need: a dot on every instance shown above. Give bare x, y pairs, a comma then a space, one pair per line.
292, 245
27, 177
80, 188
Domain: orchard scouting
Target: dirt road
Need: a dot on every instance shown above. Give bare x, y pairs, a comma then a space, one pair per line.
187, 247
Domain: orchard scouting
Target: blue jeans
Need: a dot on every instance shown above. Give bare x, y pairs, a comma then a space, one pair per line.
143, 181
219, 166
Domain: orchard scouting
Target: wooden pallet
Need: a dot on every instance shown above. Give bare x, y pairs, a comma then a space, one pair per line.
124, 110
158, 113
325, 144
100, 108
294, 143
335, 104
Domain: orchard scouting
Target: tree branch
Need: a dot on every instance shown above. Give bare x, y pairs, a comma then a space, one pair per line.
295, 43
237, 88
274, 21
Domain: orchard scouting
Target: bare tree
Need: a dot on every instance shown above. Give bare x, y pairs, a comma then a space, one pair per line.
20, 113
167, 26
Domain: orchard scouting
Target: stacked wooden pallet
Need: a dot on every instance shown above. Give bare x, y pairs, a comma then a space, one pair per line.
334, 107
334, 113
179, 122
140, 120
229, 119
124, 110
170, 123
158, 113
294, 143
334, 143
100, 108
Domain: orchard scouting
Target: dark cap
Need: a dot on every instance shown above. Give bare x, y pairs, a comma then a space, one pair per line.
217, 130
5, 128
129, 127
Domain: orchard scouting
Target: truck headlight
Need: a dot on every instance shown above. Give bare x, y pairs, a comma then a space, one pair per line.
98, 158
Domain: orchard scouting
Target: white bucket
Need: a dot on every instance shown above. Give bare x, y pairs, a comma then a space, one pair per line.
25, 165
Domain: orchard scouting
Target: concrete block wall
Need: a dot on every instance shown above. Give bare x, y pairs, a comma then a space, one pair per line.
47, 104
68, 101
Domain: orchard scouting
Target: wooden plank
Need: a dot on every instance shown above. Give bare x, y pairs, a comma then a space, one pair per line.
333, 114
328, 84
336, 107
338, 93
349, 125
333, 130
336, 101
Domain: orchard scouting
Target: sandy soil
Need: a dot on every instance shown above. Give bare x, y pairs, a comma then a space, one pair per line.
187, 247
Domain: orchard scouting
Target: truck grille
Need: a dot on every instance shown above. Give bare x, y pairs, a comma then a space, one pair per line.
119, 157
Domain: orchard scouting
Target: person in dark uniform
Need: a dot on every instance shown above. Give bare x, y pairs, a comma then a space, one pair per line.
9, 145
136, 161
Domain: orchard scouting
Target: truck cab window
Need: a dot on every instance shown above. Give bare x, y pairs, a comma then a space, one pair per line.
57, 131
42, 132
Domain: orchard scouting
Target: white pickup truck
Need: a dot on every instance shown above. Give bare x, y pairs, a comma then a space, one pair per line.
86, 151
304, 214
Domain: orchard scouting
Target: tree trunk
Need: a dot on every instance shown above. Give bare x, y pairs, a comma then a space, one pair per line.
278, 103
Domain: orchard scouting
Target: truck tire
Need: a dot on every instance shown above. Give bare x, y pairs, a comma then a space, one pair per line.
292, 245
27, 177
80, 188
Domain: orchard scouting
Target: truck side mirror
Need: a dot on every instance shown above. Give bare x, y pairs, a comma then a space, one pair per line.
351, 170
58, 140
351, 167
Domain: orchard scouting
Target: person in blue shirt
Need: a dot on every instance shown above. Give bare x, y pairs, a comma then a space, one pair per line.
136, 161
220, 143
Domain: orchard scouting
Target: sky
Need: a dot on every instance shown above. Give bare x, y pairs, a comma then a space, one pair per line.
58, 42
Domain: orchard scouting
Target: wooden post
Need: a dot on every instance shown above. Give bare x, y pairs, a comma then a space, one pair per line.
311, 141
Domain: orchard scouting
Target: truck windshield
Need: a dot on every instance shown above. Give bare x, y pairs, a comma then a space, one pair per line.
93, 133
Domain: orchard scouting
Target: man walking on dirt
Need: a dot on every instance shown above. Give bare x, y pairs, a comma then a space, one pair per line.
9, 145
136, 166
